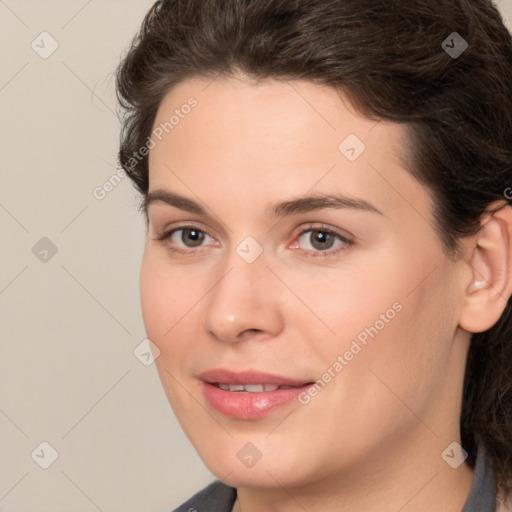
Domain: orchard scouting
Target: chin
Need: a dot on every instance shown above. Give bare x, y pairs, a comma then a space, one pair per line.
253, 461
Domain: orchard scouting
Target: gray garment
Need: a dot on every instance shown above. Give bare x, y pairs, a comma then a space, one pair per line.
482, 495
218, 497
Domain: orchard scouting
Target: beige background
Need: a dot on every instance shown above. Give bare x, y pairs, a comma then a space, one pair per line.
70, 323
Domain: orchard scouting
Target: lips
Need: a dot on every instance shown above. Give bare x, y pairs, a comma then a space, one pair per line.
249, 395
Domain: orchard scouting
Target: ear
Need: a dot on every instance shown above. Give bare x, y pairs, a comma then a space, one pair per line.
489, 286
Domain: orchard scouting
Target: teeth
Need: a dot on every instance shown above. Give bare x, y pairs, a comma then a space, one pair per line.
250, 388
236, 387
254, 388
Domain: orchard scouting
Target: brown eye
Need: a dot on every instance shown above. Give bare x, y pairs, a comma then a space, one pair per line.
321, 240
191, 237
186, 237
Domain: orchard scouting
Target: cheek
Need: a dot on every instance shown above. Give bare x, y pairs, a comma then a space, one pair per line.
167, 297
167, 301
341, 305
161, 306
409, 357
398, 368
155, 299
394, 317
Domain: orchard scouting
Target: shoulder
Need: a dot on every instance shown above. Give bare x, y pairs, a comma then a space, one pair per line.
216, 497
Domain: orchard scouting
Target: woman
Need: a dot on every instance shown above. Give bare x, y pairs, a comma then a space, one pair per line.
328, 265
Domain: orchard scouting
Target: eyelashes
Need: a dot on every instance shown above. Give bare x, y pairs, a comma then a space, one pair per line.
324, 241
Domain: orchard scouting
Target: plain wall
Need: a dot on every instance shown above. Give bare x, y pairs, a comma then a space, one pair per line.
69, 296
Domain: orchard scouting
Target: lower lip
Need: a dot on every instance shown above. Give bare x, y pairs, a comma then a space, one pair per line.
249, 406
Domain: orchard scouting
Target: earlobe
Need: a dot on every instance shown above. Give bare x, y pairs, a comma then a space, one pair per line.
490, 264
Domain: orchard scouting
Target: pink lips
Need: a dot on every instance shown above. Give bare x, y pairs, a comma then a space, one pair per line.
248, 404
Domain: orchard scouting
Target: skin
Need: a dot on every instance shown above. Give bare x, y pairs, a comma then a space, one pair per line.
372, 439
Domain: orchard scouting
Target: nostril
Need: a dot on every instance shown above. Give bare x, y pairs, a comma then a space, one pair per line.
251, 333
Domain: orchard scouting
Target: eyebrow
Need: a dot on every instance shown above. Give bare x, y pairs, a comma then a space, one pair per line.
304, 204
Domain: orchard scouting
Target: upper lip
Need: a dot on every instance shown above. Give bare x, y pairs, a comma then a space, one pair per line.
222, 376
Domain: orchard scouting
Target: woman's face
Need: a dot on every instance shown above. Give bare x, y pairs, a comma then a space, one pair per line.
299, 250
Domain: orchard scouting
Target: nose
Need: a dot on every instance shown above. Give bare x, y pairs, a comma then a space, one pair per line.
245, 303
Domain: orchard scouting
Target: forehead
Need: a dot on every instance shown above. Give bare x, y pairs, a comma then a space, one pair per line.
245, 137
296, 111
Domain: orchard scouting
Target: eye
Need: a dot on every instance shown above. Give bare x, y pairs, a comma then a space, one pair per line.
191, 237
186, 237
317, 241
322, 240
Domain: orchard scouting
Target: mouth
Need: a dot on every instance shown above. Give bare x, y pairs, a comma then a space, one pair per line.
249, 395
250, 388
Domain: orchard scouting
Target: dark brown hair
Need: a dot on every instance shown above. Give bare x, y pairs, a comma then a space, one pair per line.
389, 59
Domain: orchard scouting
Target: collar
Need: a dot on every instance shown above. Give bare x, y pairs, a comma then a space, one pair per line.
482, 495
